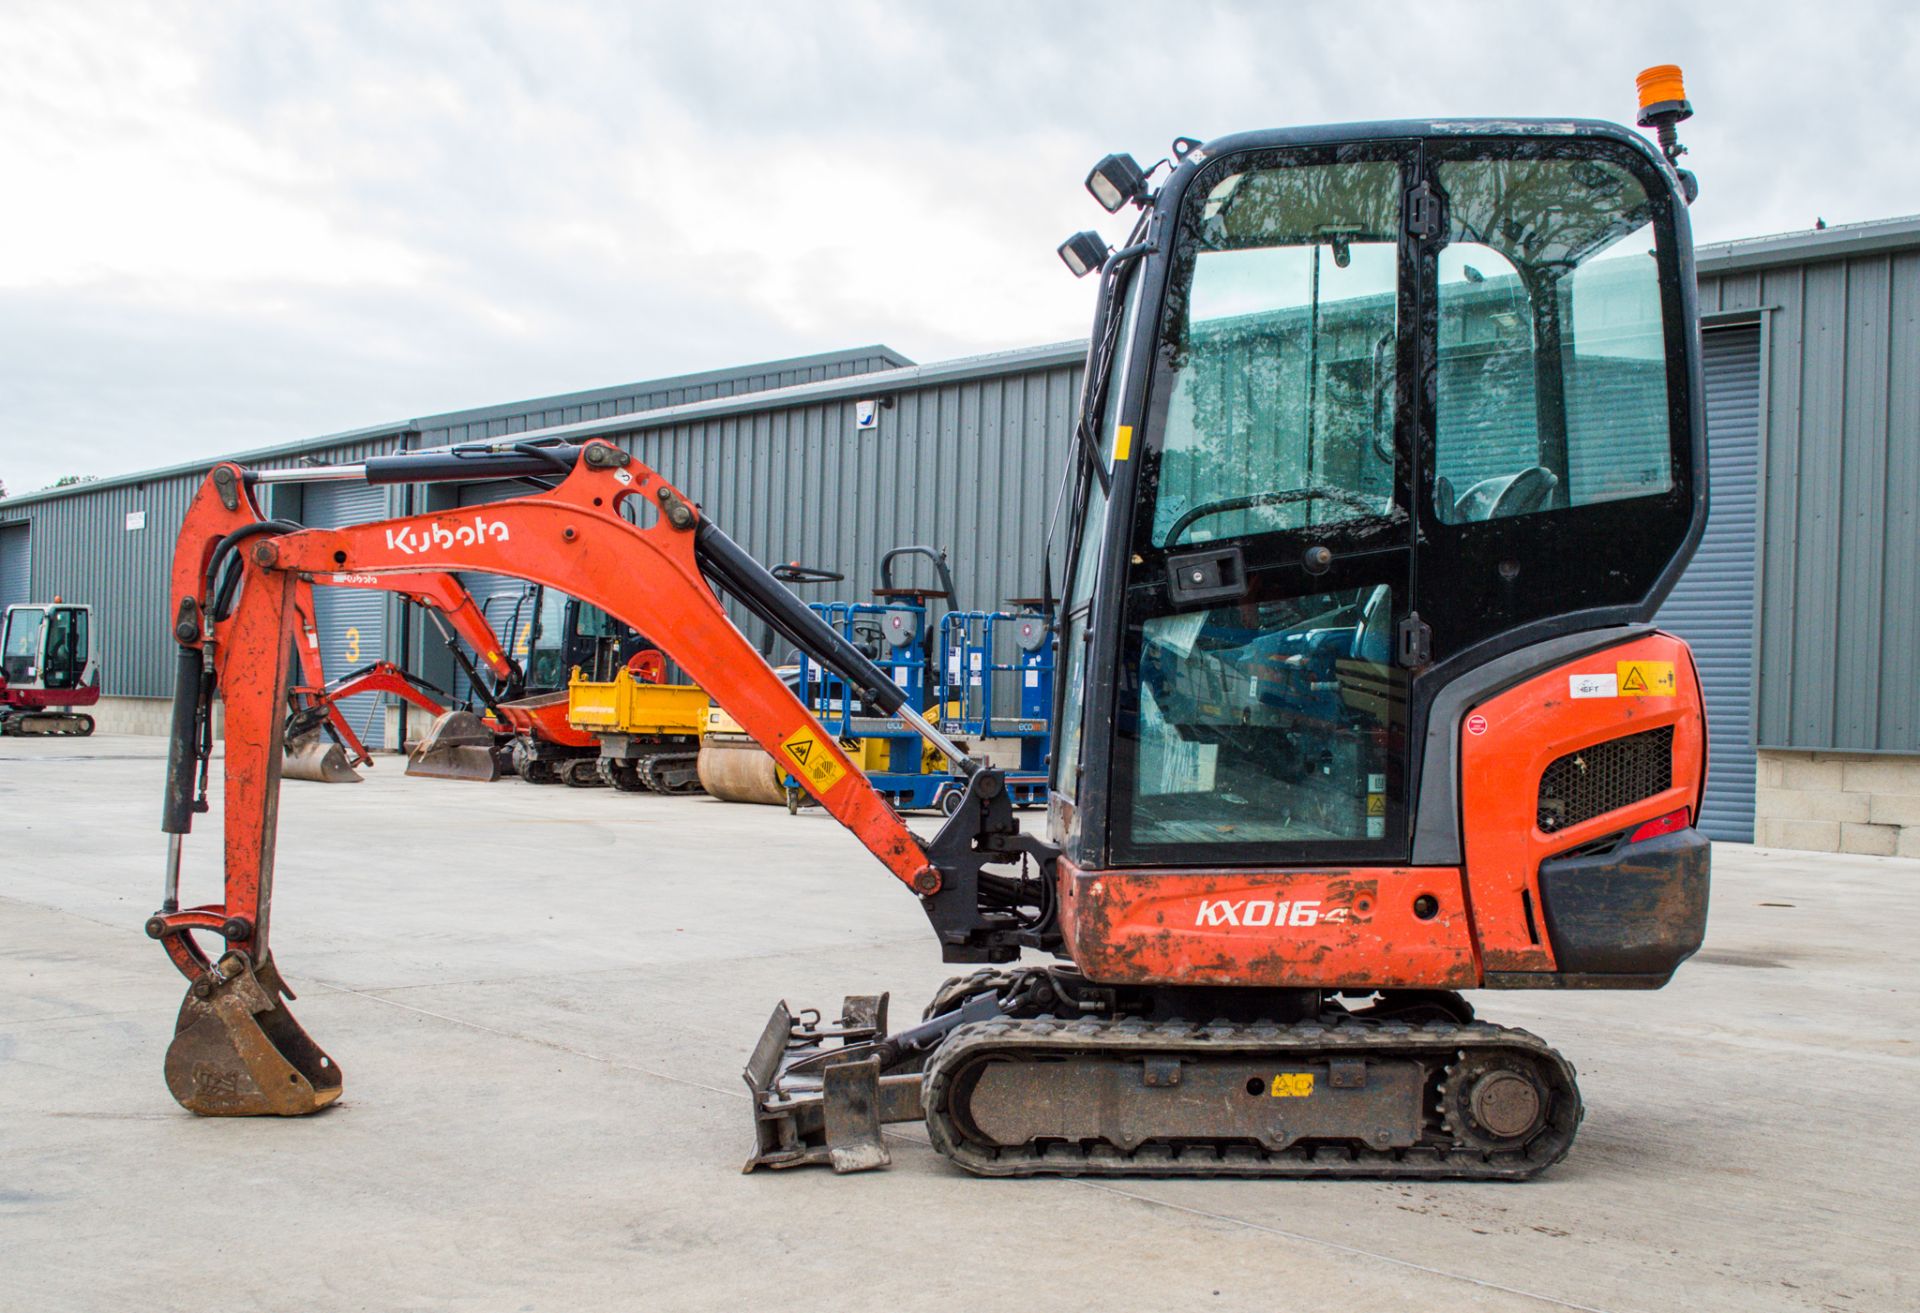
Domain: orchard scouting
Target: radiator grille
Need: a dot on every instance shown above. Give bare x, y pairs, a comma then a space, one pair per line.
1606, 777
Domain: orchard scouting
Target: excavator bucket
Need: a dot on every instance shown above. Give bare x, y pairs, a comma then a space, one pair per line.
315, 756
238, 1052
459, 746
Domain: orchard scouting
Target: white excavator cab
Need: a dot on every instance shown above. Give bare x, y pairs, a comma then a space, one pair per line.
47, 662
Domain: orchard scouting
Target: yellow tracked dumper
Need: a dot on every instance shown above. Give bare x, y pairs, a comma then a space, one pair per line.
649, 732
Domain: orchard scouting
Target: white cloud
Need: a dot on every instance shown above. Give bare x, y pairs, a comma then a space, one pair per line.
232, 224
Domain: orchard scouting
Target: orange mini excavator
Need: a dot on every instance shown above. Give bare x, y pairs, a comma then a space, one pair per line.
1391, 444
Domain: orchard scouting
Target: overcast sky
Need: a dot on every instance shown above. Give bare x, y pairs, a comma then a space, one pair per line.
227, 225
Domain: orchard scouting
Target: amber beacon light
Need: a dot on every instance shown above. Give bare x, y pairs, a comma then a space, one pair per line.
1663, 107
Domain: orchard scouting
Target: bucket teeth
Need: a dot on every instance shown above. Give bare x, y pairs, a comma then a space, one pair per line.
238, 1052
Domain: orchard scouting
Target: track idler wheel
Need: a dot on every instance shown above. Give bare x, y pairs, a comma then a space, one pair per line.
1495, 1103
238, 1052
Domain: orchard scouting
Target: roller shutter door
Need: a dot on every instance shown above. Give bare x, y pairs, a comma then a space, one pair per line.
15, 584
1713, 605
353, 621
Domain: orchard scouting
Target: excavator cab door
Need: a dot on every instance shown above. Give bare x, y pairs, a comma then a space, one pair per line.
65, 661
1262, 709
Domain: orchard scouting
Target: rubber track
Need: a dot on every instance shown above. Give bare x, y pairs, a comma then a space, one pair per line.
62, 725
653, 772
1441, 1043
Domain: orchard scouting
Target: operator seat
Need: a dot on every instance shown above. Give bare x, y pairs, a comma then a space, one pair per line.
1502, 495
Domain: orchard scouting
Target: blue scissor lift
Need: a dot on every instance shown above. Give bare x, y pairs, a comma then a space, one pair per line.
985, 677
999, 687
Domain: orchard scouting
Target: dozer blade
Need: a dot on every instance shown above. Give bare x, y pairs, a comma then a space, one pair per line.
238, 1052
314, 756
459, 746
736, 769
821, 1093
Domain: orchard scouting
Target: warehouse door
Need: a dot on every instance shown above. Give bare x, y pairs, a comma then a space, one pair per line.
353, 621
14, 584
1713, 605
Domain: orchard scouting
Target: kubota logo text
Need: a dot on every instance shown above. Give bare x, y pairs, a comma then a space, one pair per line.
1265, 912
436, 535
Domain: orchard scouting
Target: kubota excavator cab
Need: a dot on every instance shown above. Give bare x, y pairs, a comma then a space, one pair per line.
1392, 446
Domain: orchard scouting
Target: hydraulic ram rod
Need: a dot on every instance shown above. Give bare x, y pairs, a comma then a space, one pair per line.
754, 585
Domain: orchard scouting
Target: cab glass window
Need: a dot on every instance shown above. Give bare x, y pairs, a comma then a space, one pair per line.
1551, 388
22, 654
1281, 412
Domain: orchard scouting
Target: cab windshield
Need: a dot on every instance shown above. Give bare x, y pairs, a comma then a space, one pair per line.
21, 654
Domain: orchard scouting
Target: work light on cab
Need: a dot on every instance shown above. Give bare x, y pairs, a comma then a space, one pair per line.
1083, 253
1116, 180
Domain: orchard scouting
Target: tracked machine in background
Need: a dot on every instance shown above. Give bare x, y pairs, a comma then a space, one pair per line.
1391, 446
648, 730
47, 667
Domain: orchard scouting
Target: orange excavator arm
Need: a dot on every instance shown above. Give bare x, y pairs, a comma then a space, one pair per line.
238, 583
238, 580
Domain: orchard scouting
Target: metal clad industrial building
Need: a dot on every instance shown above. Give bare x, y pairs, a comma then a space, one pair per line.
85, 550
1839, 567
16, 541
110, 544
965, 457
572, 408
1712, 607
1801, 605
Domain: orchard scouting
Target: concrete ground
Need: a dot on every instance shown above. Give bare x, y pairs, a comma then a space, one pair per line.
541, 999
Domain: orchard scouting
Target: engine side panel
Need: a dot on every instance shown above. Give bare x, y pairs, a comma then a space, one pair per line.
1508, 744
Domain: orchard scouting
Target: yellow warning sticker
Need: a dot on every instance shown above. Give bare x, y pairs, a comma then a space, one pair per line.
808, 757
1293, 1085
1646, 679
1376, 804
1122, 443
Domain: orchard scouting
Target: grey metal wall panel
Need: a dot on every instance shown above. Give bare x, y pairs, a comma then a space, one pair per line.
1839, 559
496, 421
352, 621
1712, 607
16, 543
970, 467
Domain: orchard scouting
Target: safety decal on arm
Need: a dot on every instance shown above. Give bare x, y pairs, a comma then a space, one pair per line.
807, 756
